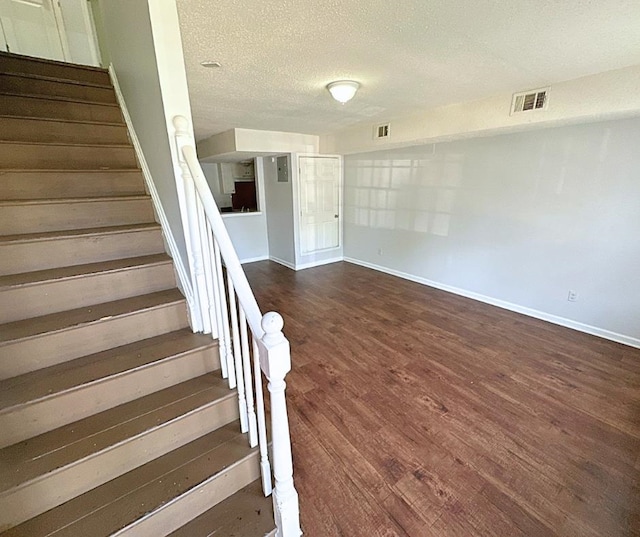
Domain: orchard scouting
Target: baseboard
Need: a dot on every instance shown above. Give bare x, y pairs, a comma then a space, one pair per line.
254, 259
184, 281
282, 262
312, 264
555, 319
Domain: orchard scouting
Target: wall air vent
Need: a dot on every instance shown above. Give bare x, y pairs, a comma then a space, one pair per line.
530, 100
382, 131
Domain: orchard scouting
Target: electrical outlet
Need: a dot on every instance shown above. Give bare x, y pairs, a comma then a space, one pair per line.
572, 296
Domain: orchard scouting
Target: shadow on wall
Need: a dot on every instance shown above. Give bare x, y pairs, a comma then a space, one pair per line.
413, 194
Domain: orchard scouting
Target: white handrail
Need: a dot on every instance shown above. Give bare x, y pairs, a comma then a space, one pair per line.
212, 246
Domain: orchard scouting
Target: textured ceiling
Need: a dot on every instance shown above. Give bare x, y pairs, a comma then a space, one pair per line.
278, 55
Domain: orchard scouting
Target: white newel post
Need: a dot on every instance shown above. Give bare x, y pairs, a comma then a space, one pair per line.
195, 244
275, 361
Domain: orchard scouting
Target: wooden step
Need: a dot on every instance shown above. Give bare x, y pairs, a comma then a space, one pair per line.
16, 63
33, 294
58, 108
56, 184
45, 341
28, 84
41, 251
45, 399
158, 497
37, 216
247, 513
48, 470
53, 130
42, 156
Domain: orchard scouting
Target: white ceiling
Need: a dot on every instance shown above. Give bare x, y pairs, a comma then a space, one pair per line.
278, 55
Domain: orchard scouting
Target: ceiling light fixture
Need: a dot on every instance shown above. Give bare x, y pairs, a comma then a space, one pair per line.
343, 90
210, 63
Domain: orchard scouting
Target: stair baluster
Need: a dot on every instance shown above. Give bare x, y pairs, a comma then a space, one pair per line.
265, 465
237, 355
246, 365
226, 330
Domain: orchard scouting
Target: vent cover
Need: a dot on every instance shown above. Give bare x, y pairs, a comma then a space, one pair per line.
382, 131
530, 100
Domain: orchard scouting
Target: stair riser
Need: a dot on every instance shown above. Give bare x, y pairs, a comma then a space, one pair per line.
173, 515
53, 185
35, 86
45, 254
35, 130
25, 421
16, 64
39, 299
30, 354
66, 157
18, 105
41, 255
20, 218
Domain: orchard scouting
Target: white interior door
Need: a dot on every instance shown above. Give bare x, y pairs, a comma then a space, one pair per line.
319, 203
33, 28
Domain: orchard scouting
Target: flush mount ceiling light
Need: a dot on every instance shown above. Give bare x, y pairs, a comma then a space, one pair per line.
210, 63
343, 90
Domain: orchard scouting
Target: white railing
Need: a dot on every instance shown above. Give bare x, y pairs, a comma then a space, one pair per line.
250, 344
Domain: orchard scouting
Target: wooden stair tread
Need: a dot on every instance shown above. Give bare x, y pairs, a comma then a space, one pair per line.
64, 144
52, 235
145, 490
62, 184
57, 201
38, 456
91, 171
31, 119
41, 276
50, 381
247, 513
63, 80
50, 97
65, 320
35, 60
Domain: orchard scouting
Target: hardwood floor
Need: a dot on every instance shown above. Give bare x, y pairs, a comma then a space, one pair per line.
415, 412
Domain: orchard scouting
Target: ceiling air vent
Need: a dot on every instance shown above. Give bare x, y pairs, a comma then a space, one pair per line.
530, 100
382, 131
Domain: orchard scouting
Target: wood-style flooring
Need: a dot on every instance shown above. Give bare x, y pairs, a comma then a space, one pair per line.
415, 412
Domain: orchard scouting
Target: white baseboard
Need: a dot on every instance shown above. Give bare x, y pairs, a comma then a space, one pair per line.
184, 281
555, 319
312, 264
254, 259
282, 262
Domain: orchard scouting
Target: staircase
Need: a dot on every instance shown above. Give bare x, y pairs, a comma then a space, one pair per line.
113, 417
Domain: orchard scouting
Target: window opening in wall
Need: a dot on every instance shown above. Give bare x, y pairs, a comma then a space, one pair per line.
238, 179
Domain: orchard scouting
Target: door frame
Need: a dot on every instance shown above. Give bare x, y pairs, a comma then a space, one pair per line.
311, 258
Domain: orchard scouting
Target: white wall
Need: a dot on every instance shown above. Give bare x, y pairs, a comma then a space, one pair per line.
150, 71
516, 219
248, 231
609, 95
279, 210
